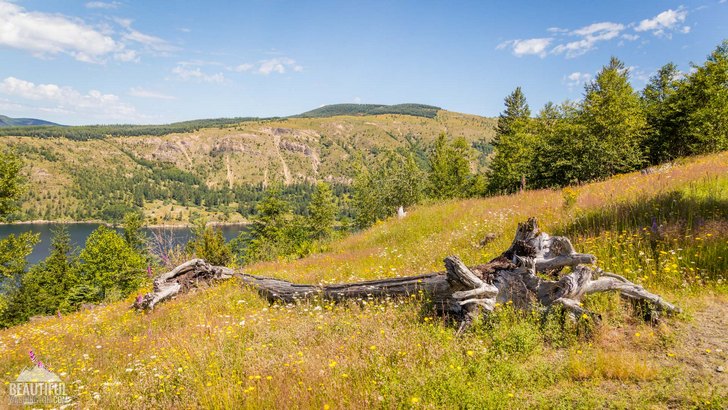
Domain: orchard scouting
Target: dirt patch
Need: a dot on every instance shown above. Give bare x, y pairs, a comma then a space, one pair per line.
703, 347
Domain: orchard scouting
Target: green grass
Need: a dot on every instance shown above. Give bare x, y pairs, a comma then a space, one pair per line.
225, 347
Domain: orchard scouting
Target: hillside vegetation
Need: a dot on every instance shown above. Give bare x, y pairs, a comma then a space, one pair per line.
225, 347
214, 169
19, 122
417, 110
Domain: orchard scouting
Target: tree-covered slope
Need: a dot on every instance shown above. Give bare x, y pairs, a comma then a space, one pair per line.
23, 122
417, 110
215, 168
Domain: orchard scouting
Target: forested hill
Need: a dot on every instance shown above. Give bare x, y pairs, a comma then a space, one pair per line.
417, 110
22, 122
218, 168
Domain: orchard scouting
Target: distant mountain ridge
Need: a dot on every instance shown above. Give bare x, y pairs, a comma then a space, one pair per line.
22, 122
417, 110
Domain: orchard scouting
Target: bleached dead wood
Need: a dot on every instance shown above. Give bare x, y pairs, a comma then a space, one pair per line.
516, 276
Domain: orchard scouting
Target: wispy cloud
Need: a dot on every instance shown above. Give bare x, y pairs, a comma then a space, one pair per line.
144, 93
63, 99
589, 36
279, 65
106, 5
666, 22
576, 42
185, 72
533, 46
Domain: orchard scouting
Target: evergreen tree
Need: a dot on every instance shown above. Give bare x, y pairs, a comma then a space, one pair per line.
703, 100
394, 180
513, 145
13, 248
209, 244
322, 212
516, 109
111, 265
558, 157
614, 124
45, 286
274, 232
10, 183
450, 175
663, 116
133, 234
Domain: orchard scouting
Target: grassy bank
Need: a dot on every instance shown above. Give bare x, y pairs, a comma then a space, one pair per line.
225, 347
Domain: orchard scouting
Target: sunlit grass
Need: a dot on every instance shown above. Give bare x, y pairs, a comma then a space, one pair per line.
225, 347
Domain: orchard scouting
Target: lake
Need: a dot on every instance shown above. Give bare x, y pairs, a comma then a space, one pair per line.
80, 231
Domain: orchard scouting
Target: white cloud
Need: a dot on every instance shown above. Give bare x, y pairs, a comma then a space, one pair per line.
590, 36
243, 68
107, 5
144, 93
49, 34
532, 46
61, 99
186, 73
280, 65
573, 43
126, 56
577, 79
557, 30
663, 23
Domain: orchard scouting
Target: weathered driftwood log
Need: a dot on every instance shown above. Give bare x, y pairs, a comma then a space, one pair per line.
516, 276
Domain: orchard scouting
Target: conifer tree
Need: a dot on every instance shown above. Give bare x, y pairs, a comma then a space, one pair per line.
614, 124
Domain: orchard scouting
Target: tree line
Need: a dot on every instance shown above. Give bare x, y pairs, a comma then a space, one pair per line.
614, 129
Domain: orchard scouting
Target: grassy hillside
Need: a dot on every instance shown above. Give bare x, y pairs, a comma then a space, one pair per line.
224, 347
206, 170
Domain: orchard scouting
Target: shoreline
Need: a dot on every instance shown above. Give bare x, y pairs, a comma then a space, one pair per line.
95, 222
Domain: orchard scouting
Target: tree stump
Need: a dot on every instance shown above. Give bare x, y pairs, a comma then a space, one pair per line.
516, 276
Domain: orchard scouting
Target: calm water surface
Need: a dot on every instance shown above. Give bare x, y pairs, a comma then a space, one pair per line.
80, 231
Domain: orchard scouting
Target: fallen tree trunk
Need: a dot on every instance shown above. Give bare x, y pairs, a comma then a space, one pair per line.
516, 276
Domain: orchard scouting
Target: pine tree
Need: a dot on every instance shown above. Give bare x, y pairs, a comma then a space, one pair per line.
322, 212
660, 97
13, 249
614, 124
513, 145
45, 286
10, 183
133, 235
516, 108
394, 180
450, 175
111, 265
209, 244
704, 101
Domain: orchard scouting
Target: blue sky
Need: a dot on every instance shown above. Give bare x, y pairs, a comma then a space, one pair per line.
123, 61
